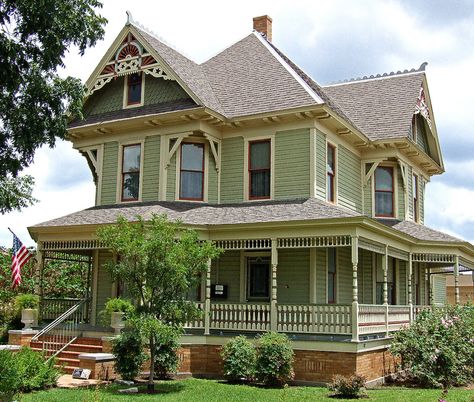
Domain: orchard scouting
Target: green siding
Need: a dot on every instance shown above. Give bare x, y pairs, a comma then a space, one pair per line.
422, 140
401, 195
439, 289
368, 198
212, 179
151, 169
226, 271
321, 268
110, 97
171, 180
109, 173
410, 192
348, 178
232, 170
104, 282
292, 164
320, 165
422, 199
293, 276
365, 268
402, 283
344, 276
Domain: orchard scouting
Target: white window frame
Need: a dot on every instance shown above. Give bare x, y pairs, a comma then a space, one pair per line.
125, 92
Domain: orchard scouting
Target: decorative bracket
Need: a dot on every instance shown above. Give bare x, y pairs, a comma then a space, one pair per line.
179, 138
371, 171
212, 143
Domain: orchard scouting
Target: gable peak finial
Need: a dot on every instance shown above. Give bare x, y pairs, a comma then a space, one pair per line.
129, 18
423, 66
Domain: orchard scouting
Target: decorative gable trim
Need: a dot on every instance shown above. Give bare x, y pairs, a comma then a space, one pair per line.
422, 108
293, 73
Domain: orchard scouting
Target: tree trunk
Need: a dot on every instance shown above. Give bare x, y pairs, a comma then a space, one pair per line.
151, 382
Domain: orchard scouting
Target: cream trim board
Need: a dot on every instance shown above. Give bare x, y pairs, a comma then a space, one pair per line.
125, 92
270, 137
118, 195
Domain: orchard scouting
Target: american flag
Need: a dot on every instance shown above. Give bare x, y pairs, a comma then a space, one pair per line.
20, 257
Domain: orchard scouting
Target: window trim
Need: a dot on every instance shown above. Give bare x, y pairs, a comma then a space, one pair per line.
122, 173
203, 171
333, 175
394, 207
249, 170
416, 197
127, 105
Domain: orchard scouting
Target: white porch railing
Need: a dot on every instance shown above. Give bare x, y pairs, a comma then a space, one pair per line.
198, 323
240, 316
317, 319
372, 319
398, 317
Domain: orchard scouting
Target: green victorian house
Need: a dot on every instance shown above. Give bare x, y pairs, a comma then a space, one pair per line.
316, 194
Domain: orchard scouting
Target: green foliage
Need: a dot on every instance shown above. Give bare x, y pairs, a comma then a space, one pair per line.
165, 354
119, 305
274, 359
24, 371
7, 293
27, 300
347, 387
438, 349
9, 319
160, 261
16, 193
35, 102
129, 353
240, 358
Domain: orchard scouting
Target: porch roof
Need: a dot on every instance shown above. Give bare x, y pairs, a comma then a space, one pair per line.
308, 209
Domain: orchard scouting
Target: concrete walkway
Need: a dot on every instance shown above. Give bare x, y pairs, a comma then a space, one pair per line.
66, 381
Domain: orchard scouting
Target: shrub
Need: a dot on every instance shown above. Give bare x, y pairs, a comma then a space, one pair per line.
240, 358
25, 371
274, 359
26, 301
438, 348
116, 305
129, 353
166, 358
347, 387
9, 319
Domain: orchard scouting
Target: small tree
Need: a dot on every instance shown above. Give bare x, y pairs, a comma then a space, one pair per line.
160, 261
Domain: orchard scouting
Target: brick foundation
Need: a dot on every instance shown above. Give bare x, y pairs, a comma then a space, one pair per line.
309, 366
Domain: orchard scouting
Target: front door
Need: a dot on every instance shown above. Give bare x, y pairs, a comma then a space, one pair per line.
258, 278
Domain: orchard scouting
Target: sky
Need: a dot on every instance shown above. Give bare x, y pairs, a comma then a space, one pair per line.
331, 40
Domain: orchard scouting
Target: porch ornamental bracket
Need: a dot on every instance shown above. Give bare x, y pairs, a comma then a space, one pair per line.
317, 241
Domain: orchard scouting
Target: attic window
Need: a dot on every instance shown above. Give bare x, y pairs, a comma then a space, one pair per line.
134, 89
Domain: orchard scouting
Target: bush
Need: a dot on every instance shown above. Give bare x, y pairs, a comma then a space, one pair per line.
274, 359
26, 301
116, 305
166, 355
438, 349
25, 371
240, 358
129, 353
347, 387
9, 319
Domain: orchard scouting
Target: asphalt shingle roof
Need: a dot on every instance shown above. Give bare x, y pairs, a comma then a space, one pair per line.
382, 108
205, 214
420, 232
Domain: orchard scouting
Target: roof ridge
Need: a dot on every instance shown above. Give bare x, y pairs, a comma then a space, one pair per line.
381, 75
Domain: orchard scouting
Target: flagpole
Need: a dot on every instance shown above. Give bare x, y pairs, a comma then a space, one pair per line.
11, 231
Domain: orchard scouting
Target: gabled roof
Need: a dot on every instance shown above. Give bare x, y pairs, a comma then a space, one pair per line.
382, 107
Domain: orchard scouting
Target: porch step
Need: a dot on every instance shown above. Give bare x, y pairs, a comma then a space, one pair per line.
73, 347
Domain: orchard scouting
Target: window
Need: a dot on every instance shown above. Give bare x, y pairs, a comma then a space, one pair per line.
331, 173
415, 198
191, 179
134, 89
131, 172
331, 275
258, 278
259, 170
384, 198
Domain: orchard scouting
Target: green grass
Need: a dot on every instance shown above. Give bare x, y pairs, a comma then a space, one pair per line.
213, 391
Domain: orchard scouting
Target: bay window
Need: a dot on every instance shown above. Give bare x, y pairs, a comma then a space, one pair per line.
384, 192
259, 169
131, 155
192, 172
331, 173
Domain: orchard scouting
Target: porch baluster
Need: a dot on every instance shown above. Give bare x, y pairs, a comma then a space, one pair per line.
207, 305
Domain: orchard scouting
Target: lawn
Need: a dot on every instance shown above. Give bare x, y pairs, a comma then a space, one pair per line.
213, 391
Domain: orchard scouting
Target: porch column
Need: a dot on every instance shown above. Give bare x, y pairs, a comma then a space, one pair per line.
39, 269
410, 291
428, 286
273, 305
355, 291
457, 299
385, 287
95, 275
207, 303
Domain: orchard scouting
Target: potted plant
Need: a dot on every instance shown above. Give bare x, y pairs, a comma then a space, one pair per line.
118, 309
28, 305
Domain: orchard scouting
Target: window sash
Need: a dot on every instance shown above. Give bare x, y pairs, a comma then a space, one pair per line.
331, 172
387, 210
259, 175
191, 189
131, 174
134, 89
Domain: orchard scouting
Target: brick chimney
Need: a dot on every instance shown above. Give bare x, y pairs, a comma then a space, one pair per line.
263, 25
